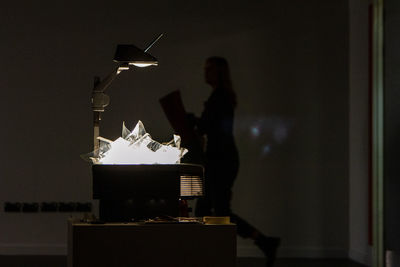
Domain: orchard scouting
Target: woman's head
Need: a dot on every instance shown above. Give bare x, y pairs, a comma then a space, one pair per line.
217, 75
216, 72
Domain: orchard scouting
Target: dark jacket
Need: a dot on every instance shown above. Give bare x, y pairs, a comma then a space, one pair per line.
216, 123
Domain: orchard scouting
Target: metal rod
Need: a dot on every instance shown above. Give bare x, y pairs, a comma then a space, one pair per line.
96, 133
378, 245
152, 43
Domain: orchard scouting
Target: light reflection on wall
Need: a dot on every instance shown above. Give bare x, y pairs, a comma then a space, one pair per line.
265, 134
266, 150
255, 131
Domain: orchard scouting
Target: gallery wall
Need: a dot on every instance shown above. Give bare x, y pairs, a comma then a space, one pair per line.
289, 64
360, 134
391, 130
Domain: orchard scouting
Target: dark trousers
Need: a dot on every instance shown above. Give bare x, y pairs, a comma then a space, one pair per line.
219, 179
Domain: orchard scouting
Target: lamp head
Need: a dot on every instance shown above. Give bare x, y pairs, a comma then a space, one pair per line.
131, 55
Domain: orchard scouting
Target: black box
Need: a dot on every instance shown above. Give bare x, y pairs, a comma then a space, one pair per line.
137, 192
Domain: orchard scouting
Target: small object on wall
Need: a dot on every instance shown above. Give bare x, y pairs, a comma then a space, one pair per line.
12, 207
66, 207
30, 207
83, 207
49, 207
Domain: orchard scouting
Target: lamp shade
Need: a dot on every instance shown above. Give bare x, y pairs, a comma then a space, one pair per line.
130, 54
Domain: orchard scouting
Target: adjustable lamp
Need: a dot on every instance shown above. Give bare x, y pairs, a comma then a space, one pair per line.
128, 190
125, 56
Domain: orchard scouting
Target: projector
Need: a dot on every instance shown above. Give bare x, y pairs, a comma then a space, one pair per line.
139, 192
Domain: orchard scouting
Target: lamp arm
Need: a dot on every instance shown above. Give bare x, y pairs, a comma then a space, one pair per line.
106, 82
100, 101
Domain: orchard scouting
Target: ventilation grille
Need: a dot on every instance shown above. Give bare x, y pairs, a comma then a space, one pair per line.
191, 186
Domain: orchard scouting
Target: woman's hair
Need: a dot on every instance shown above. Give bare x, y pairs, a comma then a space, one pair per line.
223, 77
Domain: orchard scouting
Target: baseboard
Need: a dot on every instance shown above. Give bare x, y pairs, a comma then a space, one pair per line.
295, 252
242, 251
33, 249
249, 252
361, 256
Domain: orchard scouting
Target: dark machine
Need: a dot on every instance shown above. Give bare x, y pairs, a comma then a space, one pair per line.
139, 192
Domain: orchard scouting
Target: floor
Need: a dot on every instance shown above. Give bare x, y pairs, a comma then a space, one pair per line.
256, 262
61, 261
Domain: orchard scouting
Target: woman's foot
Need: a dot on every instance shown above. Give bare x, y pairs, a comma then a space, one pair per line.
269, 245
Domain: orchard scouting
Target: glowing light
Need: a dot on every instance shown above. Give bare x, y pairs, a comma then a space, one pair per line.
143, 64
122, 68
137, 147
255, 131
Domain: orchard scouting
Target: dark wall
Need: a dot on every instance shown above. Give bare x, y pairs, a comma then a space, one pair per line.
391, 124
359, 131
289, 64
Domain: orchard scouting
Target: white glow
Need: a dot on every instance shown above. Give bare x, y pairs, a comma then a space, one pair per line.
143, 64
137, 147
122, 68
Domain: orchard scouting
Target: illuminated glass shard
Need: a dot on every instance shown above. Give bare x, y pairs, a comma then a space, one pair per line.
137, 133
137, 147
125, 132
177, 141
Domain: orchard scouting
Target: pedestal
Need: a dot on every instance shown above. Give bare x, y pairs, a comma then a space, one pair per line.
131, 244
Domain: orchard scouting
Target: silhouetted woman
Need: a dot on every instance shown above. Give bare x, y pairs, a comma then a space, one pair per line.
221, 155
